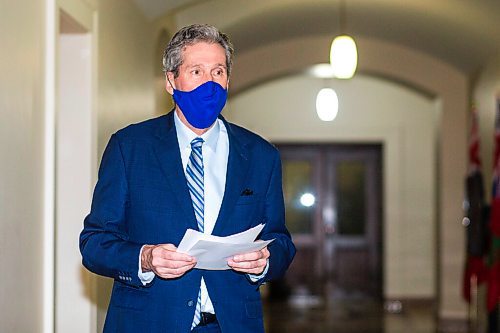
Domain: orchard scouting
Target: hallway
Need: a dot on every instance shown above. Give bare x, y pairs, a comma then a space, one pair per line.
421, 65
344, 314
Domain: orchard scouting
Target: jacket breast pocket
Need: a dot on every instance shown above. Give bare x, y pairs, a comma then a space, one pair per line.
248, 199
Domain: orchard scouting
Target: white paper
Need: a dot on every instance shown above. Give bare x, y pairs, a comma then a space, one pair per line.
212, 252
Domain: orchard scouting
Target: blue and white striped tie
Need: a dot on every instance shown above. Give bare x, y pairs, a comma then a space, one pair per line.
195, 182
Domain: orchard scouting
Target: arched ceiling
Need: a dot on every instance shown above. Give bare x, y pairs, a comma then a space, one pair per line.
463, 33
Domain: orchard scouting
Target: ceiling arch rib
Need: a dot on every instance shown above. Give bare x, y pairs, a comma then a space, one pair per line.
385, 60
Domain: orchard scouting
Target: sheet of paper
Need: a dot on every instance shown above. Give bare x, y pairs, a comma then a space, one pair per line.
212, 252
192, 236
214, 256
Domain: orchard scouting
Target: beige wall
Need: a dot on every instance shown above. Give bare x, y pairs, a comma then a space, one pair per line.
126, 69
164, 30
21, 166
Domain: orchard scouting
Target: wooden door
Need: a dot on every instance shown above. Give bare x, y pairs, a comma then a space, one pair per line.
333, 206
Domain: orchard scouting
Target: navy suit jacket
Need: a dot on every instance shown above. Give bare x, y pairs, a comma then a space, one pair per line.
142, 197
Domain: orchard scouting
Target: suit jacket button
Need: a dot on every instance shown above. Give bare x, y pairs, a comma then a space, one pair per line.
190, 303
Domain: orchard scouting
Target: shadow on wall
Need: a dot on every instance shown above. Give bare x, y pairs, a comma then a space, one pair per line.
163, 101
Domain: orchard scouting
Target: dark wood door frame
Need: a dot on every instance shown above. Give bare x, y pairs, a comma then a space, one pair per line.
324, 158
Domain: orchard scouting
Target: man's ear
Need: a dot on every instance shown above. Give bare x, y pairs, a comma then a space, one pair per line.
169, 81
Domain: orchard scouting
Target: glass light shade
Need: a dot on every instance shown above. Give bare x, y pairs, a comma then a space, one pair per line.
343, 57
327, 104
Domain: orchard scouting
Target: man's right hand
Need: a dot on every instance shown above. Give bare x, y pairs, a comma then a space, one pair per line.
164, 261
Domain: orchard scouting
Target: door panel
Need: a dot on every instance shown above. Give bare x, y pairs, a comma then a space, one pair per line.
298, 174
300, 180
350, 176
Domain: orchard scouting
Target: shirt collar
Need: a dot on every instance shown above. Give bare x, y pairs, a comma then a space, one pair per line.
185, 135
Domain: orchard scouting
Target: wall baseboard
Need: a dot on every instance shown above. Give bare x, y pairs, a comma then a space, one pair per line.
453, 325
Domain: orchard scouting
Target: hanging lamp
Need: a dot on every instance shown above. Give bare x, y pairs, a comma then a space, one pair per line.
343, 52
327, 104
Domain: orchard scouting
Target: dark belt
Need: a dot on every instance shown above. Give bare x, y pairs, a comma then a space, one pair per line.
207, 318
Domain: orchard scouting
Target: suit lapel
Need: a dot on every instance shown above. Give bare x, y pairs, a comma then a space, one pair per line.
168, 154
237, 168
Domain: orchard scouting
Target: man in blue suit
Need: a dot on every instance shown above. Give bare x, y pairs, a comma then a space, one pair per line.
187, 169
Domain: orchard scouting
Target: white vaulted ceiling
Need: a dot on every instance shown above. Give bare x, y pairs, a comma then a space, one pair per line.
462, 33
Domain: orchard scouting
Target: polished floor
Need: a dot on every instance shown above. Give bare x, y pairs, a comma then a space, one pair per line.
337, 312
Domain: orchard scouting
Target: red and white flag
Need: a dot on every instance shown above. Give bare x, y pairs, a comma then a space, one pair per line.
475, 221
495, 195
494, 272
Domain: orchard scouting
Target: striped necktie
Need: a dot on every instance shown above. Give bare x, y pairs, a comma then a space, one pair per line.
194, 171
195, 182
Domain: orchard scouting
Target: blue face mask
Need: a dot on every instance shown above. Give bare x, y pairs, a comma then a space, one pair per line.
202, 105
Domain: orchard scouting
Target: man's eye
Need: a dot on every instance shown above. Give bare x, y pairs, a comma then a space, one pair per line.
196, 72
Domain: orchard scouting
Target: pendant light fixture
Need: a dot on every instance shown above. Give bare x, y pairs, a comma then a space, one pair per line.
343, 52
327, 104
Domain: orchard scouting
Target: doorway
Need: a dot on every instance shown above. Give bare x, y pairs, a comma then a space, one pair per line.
333, 199
74, 165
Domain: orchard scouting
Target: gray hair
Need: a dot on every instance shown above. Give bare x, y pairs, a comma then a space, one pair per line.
172, 56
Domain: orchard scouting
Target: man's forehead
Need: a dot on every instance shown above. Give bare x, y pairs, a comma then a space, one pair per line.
204, 49
203, 55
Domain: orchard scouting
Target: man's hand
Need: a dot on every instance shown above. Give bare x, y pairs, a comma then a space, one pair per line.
251, 262
165, 262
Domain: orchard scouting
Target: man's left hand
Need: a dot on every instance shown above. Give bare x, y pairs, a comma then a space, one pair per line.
251, 262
